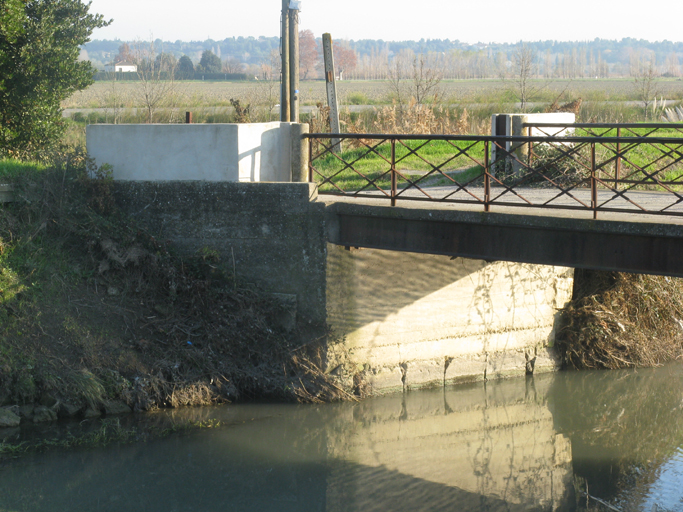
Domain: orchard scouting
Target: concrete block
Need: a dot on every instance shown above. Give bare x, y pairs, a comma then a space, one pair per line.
468, 368
211, 152
384, 379
42, 414
6, 193
116, 407
8, 418
421, 374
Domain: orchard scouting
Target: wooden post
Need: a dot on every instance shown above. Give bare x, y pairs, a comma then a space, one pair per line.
284, 43
331, 91
188, 117
294, 65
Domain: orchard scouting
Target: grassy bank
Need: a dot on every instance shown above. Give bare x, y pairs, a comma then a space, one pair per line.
93, 309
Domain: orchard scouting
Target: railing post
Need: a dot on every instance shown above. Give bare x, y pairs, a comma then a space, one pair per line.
310, 160
487, 178
393, 172
531, 152
617, 165
594, 184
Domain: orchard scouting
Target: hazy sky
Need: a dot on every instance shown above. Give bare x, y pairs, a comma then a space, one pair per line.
392, 20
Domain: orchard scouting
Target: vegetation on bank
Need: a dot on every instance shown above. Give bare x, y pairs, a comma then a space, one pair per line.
619, 320
95, 309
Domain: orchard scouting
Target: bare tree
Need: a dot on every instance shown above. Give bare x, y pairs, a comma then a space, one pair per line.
232, 65
645, 81
269, 85
411, 78
426, 80
524, 60
157, 87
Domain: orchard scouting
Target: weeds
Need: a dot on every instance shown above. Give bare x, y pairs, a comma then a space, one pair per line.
619, 320
94, 308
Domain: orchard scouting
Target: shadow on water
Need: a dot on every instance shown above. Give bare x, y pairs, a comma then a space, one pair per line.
508, 445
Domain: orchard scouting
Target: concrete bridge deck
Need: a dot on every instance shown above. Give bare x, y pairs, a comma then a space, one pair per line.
620, 241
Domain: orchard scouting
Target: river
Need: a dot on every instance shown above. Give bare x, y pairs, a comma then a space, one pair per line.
521, 444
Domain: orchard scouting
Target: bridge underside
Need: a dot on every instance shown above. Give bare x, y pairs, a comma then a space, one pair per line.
580, 243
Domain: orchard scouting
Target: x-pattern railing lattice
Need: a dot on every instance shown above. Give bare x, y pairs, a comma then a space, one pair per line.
595, 173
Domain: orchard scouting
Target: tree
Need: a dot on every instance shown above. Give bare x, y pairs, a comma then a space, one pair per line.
10, 30
165, 62
185, 67
156, 75
411, 79
345, 59
232, 65
124, 55
210, 62
39, 48
645, 81
524, 60
309, 54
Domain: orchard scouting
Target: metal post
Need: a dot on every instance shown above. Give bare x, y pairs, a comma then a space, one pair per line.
310, 161
594, 184
331, 91
284, 43
617, 169
487, 178
188, 117
294, 65
531, 153
393, 172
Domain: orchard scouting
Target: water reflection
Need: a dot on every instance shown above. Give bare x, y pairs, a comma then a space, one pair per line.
508, 445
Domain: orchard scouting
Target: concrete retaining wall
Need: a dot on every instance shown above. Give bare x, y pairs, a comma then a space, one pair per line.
272, 234
410, 320
399, 320
208, 152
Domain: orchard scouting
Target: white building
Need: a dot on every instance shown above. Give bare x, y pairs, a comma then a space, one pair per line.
121, 67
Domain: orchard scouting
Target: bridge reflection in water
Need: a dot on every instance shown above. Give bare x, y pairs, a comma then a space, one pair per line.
478, 447
490, 447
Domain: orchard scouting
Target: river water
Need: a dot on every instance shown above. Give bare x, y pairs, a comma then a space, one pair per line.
535, 443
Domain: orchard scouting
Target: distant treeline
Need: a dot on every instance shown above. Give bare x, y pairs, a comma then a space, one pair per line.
372, 59
133, 77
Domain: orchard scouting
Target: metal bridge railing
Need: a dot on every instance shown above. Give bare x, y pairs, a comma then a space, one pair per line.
635, 174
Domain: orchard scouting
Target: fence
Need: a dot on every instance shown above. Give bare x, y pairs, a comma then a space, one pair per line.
635, 174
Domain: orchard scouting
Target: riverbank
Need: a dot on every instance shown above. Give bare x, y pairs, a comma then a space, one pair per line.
98, 317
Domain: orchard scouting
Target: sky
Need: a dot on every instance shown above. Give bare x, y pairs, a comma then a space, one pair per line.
469, 21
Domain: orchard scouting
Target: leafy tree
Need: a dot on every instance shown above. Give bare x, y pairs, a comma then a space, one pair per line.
210, 62
125, 54
165, 62
185, 67
309, 54
39, 48
345, 59
10, 29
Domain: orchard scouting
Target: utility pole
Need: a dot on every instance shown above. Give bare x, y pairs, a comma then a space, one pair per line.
284, 43
294, 62
331, 91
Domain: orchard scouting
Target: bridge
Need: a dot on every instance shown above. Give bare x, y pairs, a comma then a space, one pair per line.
468, 243
592, 201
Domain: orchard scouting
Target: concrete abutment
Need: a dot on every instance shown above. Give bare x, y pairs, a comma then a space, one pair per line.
394, 320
